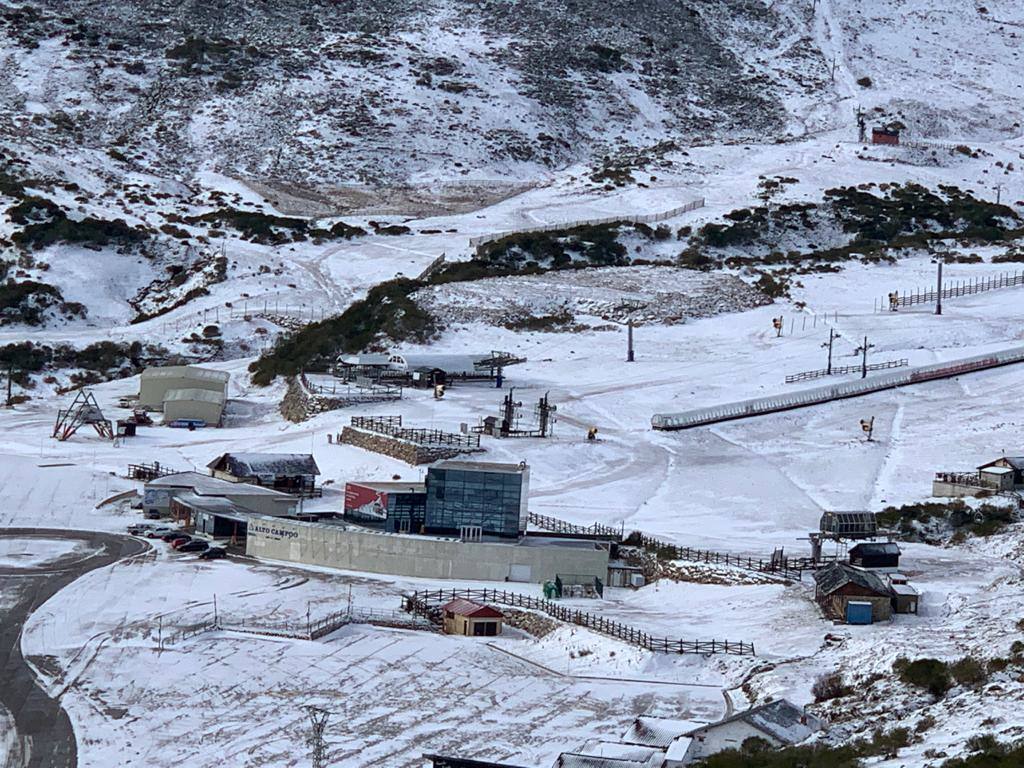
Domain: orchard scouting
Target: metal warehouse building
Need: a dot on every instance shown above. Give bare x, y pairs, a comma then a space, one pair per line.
194, 404
156, 383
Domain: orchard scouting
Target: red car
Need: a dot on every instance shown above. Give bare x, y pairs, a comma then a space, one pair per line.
180, 541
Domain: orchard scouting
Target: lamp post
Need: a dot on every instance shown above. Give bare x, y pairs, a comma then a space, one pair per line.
938, 287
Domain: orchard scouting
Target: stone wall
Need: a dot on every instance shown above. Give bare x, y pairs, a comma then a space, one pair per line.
396, 448
299, 404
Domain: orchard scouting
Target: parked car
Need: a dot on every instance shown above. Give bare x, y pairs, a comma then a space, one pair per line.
159, 533
213, 553
196, 545
137, 529
175, 535
180, 542
189, 424
153, 514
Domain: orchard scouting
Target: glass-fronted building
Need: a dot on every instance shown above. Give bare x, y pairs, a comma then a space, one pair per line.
393, 506
470, 493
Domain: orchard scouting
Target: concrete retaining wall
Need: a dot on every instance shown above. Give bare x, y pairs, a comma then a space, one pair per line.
332, 546
955, 490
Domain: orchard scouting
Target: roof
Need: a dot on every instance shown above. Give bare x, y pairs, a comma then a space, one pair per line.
185, 371
480, 466
876, 548
463, 607
1017, 462
216, 505
390, 486
464, 762
837, 575
658, 731
204, 485
645, 755
780, 719
996, 470
577, 760
249, 464
195, 395
904, 589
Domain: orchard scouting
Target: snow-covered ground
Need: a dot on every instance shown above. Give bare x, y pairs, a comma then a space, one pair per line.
746, 487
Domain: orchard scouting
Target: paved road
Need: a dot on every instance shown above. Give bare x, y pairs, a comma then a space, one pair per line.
44, 731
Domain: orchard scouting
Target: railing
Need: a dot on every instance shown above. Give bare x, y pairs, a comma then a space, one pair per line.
563, 526
772, 566
366, 391
896, 299
646, 218
971, 479
427, 603
314, 629
818, 395
655, 546
147, 472
841, 370
392, 426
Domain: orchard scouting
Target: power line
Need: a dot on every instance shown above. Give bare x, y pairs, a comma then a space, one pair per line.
318, 724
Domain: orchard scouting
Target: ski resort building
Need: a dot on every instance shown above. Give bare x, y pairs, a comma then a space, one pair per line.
334, 544
159, 493
779, 723
456, 496
1002, 475
852, 595
286, 472
396, 506
185, 392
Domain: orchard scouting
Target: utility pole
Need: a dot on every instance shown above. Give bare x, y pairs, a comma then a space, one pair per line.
832, 336
629, 340
938, 289
999, 192
863, 350
318, 724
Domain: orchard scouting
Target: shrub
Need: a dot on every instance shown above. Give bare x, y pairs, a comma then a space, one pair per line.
968, 671
387, 311
829, 686
930, 674
864, 82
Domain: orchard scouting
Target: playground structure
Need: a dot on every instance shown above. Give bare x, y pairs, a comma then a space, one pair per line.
83, 410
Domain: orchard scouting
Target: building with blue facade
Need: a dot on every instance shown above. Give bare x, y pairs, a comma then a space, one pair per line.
476, 494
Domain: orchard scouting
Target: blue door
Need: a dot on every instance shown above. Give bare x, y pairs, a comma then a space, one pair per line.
858, 612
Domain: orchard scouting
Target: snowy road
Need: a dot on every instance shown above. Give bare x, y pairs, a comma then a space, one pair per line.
36, 564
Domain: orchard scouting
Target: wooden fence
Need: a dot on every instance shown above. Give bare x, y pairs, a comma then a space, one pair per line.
770, 566
392, 426
426, 603
842, 370
563, 526
147, 472
952, 290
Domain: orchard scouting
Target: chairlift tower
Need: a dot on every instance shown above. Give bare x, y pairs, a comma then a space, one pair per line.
510, 414
83, 410
546, 418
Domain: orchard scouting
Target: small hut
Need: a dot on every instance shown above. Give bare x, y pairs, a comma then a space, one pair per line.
465, 617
